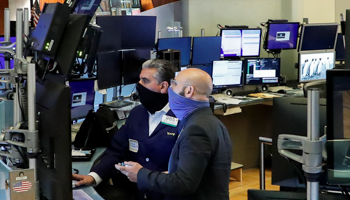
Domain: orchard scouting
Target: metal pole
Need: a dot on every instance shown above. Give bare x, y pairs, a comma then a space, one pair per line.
26, 23
17, 109
262, 167
19, 32
7, 39
104, 98
31, 92
7, 24
202, 32
313, 103
159, 34
263, 141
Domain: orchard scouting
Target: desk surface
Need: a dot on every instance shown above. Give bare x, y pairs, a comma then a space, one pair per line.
84, 168
248, 101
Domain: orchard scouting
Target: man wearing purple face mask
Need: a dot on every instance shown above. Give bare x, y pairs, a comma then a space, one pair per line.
199, 165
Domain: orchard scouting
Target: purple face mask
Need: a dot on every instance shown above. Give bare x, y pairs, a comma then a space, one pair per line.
182, 106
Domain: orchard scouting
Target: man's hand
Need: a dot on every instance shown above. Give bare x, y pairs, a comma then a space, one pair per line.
83, 179
130, 170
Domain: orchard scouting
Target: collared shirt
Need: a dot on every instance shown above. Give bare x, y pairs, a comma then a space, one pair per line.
156, 118
153, 121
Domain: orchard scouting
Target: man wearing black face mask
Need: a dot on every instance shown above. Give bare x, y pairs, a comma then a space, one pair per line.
147, 137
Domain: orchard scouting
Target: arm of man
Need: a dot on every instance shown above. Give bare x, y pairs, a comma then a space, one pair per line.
195, 150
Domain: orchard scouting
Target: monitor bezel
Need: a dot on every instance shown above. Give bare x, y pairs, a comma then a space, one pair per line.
311, 52
315, 24
230, 85
268, 31
331, 75
245, 71
228, 57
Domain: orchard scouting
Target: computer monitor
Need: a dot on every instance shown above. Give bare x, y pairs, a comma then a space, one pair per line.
240, 42
109, 69
205, 50
87, 7
227, 73
126, 32
82, 95
282, 36
313, 65
318, 37
338, 130
182, 44
340, 48
132, 61
54, 165
2, 59
261, 71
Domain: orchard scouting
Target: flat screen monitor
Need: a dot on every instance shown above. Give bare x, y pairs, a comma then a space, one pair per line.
132, 64
82, 96
282, 35
240, 42
340, 48
318, 37
227, 73
182, 44
54, 168
338, 129
109, 70
2, 59
205, 50
313, 65
87, 7
136, 32
262, 71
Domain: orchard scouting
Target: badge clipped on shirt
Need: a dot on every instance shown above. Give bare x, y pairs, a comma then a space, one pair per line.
168, 120
133, 145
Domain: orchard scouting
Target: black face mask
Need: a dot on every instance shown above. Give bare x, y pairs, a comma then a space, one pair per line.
152, 101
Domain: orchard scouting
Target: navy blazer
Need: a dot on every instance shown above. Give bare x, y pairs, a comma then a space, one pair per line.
153, 151
200, 162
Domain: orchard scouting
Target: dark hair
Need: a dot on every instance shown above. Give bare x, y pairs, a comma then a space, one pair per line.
165, 70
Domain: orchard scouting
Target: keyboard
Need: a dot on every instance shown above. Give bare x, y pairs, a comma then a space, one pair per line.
118, 104
276, 88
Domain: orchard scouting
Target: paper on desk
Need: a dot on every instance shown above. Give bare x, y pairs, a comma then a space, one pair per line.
80, 195
263, 95
229, 100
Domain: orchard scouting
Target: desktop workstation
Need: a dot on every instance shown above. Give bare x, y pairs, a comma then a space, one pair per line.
240, 68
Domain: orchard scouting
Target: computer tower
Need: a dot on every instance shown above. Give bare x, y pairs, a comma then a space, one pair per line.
47, 34
174, 56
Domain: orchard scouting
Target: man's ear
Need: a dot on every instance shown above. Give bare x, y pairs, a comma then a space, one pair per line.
164, 87
189, 91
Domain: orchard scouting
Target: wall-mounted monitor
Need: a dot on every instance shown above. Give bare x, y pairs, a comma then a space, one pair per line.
260, 71
205, 50
227, 73
318, 37
313, 65
282, 36
240, 42
182, 44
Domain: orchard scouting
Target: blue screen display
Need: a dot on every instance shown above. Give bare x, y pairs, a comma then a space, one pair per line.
282, 36
182, 44
205, 50
2, 59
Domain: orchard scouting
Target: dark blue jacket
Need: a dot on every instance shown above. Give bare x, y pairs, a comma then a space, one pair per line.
153, 151
200, 163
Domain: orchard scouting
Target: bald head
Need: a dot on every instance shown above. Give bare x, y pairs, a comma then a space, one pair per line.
199, 79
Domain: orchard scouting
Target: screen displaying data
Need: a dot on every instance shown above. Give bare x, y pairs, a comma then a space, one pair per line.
240, 42
262, 71
227, 73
